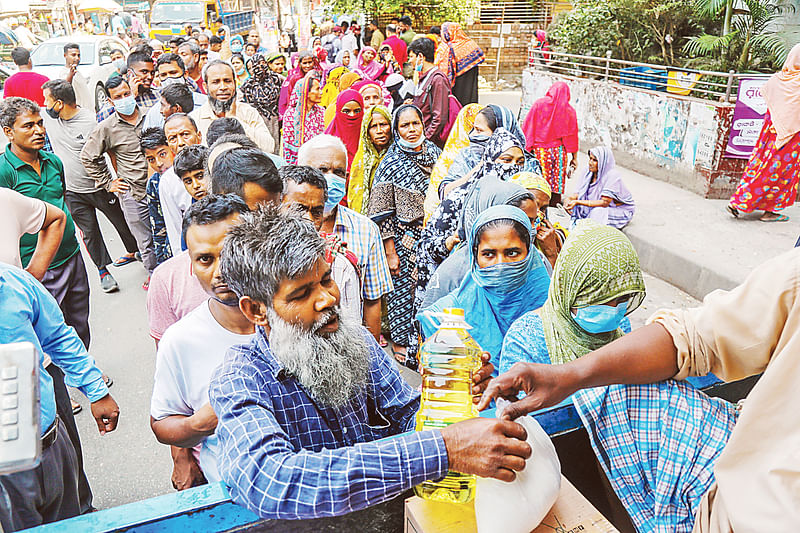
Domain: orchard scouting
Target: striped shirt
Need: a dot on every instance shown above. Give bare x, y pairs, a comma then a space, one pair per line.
363, 238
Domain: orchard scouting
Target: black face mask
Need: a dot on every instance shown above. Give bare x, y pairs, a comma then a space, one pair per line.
52, 112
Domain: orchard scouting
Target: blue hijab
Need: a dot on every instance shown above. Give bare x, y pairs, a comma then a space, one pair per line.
494, 297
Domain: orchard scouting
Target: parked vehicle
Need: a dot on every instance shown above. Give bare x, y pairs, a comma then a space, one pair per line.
169, 17
95, 65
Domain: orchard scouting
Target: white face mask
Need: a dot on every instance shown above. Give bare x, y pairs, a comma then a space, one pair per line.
178, 80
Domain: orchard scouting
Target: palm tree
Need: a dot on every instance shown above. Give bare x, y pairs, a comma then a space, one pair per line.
749, 35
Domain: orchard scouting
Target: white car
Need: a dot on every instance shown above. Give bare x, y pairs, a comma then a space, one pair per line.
95, 65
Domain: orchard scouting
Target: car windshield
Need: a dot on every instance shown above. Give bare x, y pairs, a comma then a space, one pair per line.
52, 54
177, 13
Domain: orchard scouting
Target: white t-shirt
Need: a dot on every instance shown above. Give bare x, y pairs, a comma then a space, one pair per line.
174, 203
188, 353
19, 214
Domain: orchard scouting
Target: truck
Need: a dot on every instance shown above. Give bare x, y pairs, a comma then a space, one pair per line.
168, 18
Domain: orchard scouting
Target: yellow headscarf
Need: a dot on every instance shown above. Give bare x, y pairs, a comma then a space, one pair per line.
456, 141
365, 162
345, 82
331, 89
531, 181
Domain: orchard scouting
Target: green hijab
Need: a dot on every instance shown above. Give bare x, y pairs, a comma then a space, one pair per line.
597, 264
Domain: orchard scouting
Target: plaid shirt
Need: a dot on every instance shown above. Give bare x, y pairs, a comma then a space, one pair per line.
286, 457
145, 101
363, 238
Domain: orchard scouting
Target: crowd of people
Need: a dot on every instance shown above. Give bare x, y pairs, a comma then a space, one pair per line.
300, 227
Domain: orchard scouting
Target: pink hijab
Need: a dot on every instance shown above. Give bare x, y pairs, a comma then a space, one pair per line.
782, 94
552, 121
372, 69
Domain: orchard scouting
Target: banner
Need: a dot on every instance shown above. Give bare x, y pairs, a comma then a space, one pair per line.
748, 118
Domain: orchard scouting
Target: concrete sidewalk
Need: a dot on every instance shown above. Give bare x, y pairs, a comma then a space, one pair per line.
694, 243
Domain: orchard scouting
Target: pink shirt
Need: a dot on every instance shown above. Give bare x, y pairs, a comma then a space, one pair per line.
173, 293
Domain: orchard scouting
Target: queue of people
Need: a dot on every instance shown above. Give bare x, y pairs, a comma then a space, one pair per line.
272, 249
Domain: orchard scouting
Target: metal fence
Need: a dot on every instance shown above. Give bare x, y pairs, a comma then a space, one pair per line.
704, 84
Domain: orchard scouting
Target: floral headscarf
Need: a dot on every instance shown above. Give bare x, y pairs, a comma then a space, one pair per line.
263, 88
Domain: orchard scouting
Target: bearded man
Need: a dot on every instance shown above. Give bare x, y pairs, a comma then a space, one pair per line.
220, 82
303, 407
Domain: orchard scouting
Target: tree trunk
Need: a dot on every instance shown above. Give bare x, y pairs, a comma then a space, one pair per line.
726, 28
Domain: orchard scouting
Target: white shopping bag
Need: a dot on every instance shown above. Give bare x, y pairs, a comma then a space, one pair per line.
520, 506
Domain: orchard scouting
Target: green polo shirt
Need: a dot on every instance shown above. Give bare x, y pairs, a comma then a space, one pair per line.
49, 187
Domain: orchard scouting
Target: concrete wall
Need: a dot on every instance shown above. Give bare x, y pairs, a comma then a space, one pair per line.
676, 139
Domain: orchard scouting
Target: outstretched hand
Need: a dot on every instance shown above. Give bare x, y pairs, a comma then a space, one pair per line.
487, 447
543, 385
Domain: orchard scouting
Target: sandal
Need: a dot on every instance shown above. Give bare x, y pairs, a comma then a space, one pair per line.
76, 407
779, 218
124, 260
383, 342
399, 356
146, 284
733, 211
107, 380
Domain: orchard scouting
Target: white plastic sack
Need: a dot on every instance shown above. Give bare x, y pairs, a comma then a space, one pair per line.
520, 506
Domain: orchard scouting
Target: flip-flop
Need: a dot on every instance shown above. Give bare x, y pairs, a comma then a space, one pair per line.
76, 407
779, 218
107, 380
733, 211
396, 353
124, 260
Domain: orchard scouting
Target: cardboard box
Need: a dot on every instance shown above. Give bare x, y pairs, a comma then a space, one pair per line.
572, 513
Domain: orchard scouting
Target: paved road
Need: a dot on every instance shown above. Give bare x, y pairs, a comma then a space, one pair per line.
129, 464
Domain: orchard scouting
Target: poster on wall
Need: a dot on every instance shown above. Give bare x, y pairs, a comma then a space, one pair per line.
699, 141
748, 118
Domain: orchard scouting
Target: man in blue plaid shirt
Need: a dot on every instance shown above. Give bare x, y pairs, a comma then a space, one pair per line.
304, 409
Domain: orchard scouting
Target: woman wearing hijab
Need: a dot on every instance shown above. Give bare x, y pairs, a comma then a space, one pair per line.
551, 131
237, 44
331, 89
344, 58
389, 64
597, 283
346, 124
262, 90
486, 122
277, 64
506, 280
395, 204
601, 195
306, 61
458, 139
770, 179
458, 57
239, 69
303, 118
347, 80
374, 93
376, 137
490, 191
366, 66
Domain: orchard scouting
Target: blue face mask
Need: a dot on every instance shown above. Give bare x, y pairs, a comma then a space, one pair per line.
125, 106
502, 277
600, 318
236, 48
336, 191
478, 138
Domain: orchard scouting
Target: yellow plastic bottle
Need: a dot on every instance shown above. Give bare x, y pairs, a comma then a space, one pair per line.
448, 360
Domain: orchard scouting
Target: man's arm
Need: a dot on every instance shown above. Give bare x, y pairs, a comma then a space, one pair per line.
733, 335
439, 100
372, 317
55, 220
93, 158
66, 349
259, 132
185, 431
267, 475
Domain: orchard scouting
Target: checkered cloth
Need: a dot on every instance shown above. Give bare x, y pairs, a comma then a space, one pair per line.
144, 101
657, 444
286, 457
364, 239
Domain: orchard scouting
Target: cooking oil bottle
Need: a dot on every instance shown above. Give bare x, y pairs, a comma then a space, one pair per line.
449, 358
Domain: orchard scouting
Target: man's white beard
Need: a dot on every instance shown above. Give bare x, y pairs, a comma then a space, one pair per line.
332, 368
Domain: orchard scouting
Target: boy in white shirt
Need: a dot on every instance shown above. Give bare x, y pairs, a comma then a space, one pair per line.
192, 348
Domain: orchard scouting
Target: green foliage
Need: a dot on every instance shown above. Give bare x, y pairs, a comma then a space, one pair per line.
428, 10
750, 44
709, 34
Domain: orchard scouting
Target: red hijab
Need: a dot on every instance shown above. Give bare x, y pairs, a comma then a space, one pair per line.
346, 127
552, 121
